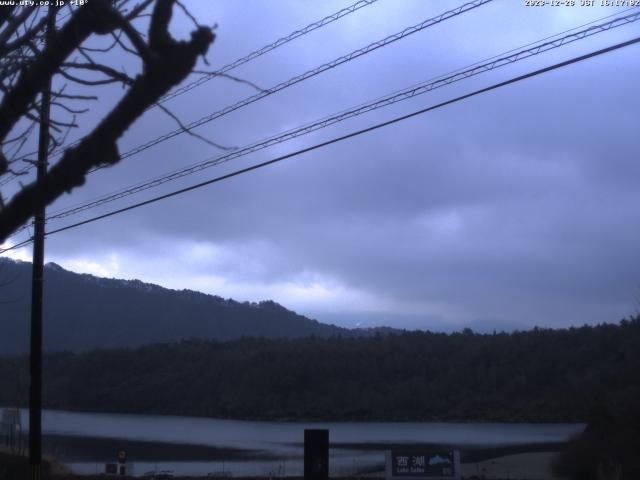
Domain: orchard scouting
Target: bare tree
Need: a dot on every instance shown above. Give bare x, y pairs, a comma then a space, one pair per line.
28, 62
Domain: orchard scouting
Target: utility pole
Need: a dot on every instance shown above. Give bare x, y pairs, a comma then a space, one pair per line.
35, 359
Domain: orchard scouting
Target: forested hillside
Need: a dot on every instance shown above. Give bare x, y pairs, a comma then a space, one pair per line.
84, 312
538, 375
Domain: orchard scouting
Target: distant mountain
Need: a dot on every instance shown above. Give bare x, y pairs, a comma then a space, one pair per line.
84, 312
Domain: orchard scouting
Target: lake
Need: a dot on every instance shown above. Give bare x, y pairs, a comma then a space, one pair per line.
199, 446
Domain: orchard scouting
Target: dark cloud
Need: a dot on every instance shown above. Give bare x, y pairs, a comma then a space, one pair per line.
507, 210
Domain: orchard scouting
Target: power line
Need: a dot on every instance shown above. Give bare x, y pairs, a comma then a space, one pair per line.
309, 74
17, 245
267, 48
405, 94
257, 53
302, 77
226, 68
215, 160
347, 136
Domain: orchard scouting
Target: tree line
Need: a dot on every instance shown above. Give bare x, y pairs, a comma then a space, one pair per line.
537, 375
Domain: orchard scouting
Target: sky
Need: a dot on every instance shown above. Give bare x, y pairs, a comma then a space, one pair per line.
512, 209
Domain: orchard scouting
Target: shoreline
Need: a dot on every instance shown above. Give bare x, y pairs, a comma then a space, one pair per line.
72, 448
524, 466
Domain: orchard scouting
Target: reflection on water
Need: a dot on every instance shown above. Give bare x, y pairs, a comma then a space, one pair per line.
360, 444
344, 465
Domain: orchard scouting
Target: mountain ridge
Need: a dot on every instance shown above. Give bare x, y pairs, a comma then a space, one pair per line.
84, 311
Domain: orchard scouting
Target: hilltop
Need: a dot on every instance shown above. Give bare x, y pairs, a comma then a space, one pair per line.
83, 312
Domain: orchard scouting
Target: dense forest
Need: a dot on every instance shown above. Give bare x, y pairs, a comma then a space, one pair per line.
83, 312
537, 375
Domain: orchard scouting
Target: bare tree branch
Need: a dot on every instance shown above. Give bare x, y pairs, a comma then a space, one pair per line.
74, 97
138, 9
95, 17
108, 71
14, 24
188, 14
6, 14
166, 64
190, 131
69, 109
231, 77
23, 39
91, 83
134, 37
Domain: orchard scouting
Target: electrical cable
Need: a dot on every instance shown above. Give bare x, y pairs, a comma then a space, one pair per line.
309, 74
267, 48
300, 78
349, 135
226, 68
395, 97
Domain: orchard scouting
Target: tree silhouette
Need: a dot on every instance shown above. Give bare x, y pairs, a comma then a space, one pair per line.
28, 62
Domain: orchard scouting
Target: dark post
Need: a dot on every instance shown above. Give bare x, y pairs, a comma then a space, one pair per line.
316, 454
122, 460
35, 361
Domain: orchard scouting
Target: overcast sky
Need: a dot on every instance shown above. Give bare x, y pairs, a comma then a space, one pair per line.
516, 208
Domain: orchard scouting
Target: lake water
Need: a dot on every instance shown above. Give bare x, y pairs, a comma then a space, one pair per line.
355, 445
